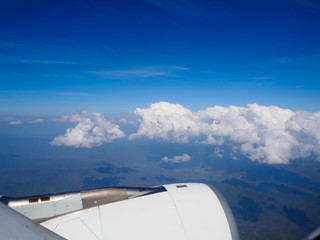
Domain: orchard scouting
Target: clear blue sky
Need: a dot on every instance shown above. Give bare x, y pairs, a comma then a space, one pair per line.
114, 56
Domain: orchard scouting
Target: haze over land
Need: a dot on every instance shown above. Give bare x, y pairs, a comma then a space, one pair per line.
149, 92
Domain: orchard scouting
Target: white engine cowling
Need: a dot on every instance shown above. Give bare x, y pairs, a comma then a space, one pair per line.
186, 211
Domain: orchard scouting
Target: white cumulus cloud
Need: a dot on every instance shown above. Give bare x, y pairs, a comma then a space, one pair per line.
218, 152
72, 118
92, 130
18, 122
266, 134
177, 159
39, 120
126, 121
170, 122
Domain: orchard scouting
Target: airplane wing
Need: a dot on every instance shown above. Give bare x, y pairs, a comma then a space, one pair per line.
175, 211
14, 225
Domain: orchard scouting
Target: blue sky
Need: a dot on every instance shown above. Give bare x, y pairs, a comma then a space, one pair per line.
115, 56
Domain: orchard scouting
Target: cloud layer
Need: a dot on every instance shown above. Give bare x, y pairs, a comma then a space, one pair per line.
265, 134
177, 159
92, 130
39, 120
137, 73
18, 122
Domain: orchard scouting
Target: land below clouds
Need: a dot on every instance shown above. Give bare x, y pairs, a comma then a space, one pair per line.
269, 201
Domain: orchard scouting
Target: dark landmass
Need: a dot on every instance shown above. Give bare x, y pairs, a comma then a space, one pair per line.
92, 182
110, 169
299, 218
266, 187
247, 209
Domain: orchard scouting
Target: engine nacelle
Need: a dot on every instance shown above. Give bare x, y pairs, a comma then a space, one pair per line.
175, 211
